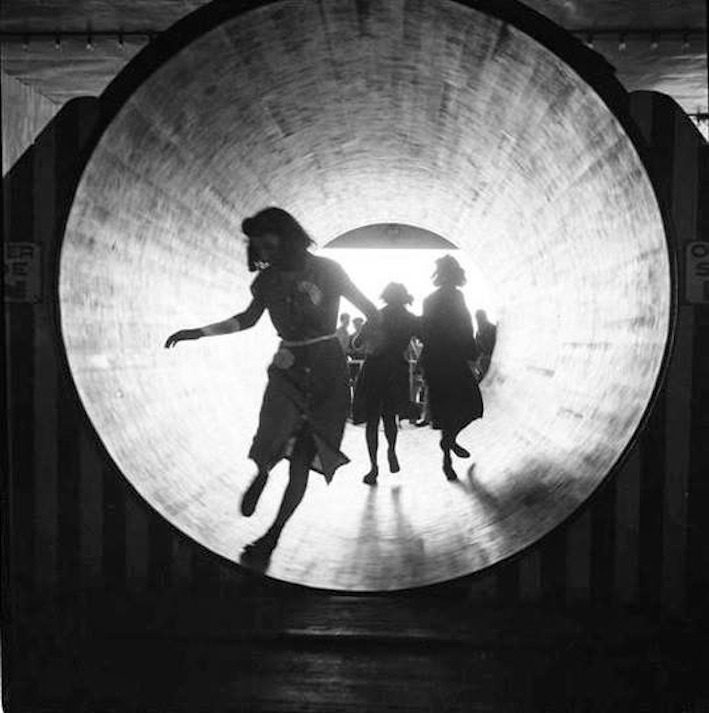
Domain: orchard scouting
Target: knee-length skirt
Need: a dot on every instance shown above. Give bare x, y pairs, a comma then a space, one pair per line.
382, 386
307, 389
454, 397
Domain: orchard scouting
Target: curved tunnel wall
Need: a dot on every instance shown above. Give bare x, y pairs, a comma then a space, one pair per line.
430, 114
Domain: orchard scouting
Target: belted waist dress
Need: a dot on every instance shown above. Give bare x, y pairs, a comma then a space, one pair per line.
307, 379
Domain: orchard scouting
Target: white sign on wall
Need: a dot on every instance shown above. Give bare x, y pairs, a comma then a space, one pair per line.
697, 290
22, 272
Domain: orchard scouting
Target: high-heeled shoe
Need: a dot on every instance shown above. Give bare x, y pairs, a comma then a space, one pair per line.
393, 461
371, 477
258, 553
448, 468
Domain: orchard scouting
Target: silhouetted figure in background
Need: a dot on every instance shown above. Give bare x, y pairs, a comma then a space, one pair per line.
355, 350
343, 333
448, 358
421, 398
485, 340
382, 387
306, 400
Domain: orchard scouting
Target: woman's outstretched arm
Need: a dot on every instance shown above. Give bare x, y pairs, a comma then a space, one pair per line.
237, 323
352, 293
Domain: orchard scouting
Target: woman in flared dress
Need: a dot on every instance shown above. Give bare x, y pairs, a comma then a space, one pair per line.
306, 401
382, 387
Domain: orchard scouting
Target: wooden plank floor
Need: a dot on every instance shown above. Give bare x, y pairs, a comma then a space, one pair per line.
191, 676
327, 654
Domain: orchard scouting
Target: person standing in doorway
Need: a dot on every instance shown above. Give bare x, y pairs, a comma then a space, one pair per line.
343, 332
485, 339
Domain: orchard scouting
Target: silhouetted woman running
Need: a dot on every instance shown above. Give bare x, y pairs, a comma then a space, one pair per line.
382, 386
448, 357
306, 400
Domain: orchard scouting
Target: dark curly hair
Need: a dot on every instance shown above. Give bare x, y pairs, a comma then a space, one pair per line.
448, 272
396, 293
294, 240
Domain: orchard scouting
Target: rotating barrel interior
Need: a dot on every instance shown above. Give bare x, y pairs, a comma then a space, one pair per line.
431, 114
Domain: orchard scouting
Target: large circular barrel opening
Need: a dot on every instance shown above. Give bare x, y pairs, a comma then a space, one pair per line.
429, 114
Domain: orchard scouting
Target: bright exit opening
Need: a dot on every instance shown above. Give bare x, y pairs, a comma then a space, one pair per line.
375, 255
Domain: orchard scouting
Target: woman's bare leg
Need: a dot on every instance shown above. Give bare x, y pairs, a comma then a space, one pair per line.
391, 431
253, 492
372, 436
300, 461
455, 446
447, 440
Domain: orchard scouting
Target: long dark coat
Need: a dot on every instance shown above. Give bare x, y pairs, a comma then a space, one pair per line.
448, 347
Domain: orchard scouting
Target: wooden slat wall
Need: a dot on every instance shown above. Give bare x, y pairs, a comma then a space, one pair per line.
24, 113
679, 156
76, 525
